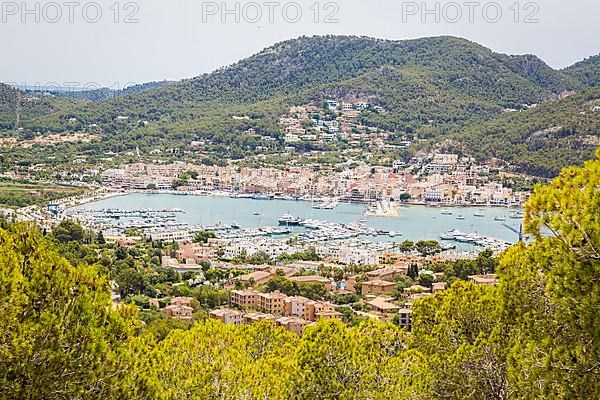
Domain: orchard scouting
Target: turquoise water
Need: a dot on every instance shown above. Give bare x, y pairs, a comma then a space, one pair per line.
414, 222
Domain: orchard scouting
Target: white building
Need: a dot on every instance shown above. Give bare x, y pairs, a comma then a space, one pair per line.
332, 105
166, 235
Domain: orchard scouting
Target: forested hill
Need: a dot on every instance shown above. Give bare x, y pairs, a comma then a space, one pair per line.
586, 71
430, 88
17, 107
543, 139
108, 93
308, 63
437, 67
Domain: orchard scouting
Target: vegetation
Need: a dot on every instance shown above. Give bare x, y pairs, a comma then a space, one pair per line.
539, 141
484, 264
432, 88
203, 237
60, 337
22, 194
534, 336
313, 291
586, 71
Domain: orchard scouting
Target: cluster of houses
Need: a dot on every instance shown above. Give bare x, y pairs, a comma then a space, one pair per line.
180, 308
441, 179
333, 252
294, 313
311, 123
378, 289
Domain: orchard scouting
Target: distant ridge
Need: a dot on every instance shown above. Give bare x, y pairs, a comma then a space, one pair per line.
435, 88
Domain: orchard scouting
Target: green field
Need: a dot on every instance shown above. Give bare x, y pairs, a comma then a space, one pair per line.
14, 194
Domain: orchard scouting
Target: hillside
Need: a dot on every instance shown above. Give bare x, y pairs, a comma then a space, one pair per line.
307, 63
586, 71
17, 107
429, 87
541, 140
107, 93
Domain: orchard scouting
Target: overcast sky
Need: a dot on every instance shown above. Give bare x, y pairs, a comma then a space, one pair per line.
175, 39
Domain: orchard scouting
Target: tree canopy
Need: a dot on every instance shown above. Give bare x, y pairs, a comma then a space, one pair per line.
535, 335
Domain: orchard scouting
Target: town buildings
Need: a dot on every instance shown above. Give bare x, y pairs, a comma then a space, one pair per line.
378, 286
438, 178
404, 320
179, 308
227, 316
277, 303
489, 279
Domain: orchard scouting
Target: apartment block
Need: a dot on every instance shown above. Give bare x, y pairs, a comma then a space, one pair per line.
245, 298
296, 306
272, 303
378, 287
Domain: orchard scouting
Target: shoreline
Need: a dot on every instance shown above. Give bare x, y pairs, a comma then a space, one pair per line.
109, 193
147, 200
90, 198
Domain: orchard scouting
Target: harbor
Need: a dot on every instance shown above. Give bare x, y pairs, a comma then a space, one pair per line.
240, 217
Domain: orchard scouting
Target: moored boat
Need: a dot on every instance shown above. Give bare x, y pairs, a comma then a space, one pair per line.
288, 219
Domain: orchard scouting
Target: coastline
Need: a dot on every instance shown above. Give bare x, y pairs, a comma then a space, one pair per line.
107, 193
92, 197
219, 209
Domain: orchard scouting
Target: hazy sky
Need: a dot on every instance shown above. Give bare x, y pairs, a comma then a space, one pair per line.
175, 39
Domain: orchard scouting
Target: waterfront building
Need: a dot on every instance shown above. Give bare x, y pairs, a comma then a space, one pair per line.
448, 180
169, 235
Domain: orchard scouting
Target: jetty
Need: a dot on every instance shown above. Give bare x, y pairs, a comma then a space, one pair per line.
383, 209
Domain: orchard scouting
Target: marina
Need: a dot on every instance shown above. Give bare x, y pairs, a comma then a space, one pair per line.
327, 204
476, 239
244, 217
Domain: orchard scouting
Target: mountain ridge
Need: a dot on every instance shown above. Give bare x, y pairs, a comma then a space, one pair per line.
430, 87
